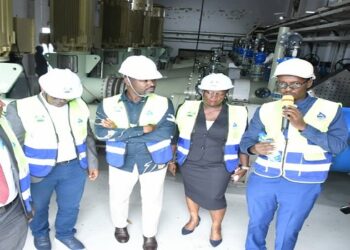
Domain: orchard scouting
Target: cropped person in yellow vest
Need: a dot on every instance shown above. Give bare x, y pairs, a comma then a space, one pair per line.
15, 207
292, 160
53, 127
137, 126
207, 151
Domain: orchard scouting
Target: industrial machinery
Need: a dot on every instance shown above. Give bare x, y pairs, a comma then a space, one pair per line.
9, 71
336, 87
129, 28
135, 27
126, 28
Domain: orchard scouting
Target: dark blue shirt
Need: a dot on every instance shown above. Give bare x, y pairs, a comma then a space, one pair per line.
136, 150
333, 141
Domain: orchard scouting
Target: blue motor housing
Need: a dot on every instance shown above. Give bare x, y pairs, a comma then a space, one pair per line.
259, 58
341, 163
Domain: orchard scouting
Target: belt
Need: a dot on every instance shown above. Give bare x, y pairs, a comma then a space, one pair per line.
62, 163
5, 208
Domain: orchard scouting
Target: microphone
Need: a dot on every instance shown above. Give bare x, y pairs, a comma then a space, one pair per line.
287, 100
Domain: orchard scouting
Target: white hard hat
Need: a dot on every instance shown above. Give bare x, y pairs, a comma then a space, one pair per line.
216, 81
295, 67
140, 68
61, 83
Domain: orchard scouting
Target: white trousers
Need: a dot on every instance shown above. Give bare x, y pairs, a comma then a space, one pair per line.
121, 184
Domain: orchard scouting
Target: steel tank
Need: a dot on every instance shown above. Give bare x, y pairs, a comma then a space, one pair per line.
9, 72
71, 24
6, 29
122, 23
153, 26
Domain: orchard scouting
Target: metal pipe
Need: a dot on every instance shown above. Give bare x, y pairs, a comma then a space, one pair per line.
198, 34
279, 52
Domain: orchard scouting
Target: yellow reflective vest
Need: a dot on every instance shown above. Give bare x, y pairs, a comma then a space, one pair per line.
301, 160
186, 118
22, 164
152, 112
41, 139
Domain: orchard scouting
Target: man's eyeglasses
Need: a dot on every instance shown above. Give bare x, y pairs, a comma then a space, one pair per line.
292, 85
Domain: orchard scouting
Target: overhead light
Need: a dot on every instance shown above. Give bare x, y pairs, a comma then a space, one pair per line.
310, 12
45, 30
281, 17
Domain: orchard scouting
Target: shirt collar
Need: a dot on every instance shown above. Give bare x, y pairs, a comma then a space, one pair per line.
125, 98
304, 101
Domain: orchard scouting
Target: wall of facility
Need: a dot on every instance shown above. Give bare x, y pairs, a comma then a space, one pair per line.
222, 20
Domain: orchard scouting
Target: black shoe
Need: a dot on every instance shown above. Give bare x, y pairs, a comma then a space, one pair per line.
186, 231
72, 243
42, 243
150, 243
215, 243
121, 234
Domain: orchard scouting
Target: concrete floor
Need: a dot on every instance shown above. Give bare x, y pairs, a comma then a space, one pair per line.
326, 228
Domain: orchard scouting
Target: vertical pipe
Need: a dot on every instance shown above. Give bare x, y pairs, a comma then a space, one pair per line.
279, 53
198, 34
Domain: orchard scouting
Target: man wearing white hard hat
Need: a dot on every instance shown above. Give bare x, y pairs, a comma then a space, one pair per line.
137, 126
53, 128
294, 139
207, 151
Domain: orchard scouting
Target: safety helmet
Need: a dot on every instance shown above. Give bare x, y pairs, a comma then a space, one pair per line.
140, 68
295, 67
61, 83
216, 81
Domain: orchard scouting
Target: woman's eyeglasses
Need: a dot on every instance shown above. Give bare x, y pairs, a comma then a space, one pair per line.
215, 93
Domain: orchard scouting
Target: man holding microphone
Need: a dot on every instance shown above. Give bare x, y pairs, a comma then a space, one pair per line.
304, 135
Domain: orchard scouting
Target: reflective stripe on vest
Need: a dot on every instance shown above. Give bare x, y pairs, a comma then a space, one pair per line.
304, 162
186, 118
24, 177
152, 112
40, 143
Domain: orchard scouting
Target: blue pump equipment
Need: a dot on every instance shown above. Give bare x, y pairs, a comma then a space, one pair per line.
341, 163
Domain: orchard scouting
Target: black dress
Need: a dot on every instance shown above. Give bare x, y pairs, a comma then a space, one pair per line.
204, 174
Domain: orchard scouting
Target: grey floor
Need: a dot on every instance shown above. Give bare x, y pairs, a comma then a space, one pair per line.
326, 228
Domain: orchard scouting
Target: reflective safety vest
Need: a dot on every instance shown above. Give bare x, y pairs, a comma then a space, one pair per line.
24, 177
300, 160
152, 112
41, 139
237, 121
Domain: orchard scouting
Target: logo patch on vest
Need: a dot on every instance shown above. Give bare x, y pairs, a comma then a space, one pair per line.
118, 110
80, 120
234, 125
39, 118
321, 116
190, 114
149, 113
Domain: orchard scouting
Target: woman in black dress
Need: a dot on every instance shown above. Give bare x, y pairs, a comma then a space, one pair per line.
207, 151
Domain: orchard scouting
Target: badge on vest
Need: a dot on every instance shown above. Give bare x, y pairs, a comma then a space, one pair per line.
321, 116
149, 113
80, 120
190, 114
39, 118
